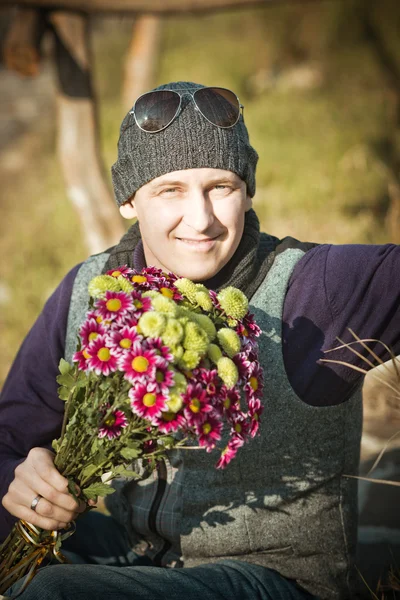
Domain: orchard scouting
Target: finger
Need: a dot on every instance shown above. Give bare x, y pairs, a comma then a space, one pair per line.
21, 511
24, 496
22, 490
44, 467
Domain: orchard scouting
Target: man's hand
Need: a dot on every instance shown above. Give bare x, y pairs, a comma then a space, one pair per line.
37, 476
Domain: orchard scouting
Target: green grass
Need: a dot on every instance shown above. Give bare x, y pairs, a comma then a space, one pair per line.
321, 176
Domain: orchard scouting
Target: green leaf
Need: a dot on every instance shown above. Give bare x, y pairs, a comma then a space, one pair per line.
128, 473
66, 380
89, 471
64, 367
97, 489
63, 393
130, 453
55, 444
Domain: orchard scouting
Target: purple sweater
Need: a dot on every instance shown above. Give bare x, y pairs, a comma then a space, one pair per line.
332, 288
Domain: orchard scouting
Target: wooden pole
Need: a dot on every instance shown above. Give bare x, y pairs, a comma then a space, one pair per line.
141, 59
78, 143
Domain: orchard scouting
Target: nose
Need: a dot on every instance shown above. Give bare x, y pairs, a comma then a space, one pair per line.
199, 213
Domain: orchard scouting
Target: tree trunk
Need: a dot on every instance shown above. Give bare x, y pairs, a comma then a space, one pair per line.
22, 43
141, 59
78, 144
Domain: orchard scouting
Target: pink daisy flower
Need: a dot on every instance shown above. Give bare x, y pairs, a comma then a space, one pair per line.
169, 421
140, 304
253, 330
90, 330
254, 384
114, 304
143, 280
164, 379
240, 428
228, 402
138, 363
229, 453
209, 432
160, 349
81, 357
208, 379
255, 411
123, 270
197, 405
146, 402
112, 424
124, 339
101, 358
243, 364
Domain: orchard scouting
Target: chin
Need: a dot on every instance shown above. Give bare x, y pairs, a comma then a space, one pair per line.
196, 274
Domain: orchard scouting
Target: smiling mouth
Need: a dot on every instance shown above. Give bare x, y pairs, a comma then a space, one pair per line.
194, 243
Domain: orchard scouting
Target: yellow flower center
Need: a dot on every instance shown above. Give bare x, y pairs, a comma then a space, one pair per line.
238, 428
86, 354
168, 416
93, 336
167, 292
125, 343
114, 304
255, 417
140, 364
109, 421
115, 273
227, 403
138, 304
254, 383
103, 354
99, 319
159, 376
149, 400
139, 278
195, 405
245, 332
206, 428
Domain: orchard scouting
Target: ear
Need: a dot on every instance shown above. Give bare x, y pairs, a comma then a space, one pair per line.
128, 210
248, 203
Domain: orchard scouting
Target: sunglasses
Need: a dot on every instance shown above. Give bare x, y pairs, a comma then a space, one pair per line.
154, 111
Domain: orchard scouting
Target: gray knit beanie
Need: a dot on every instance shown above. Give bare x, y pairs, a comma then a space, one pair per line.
189, 142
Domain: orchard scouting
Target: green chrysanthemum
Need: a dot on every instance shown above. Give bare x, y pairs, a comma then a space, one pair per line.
206, 324
196, 338
164, 305
125, 285
173, 333
180, 382
100, 284
229, 341
187, 288
177, 352
214, 353
152, 324
233, 302
189, 360
204, 301
150, 294
228, 371
175, 402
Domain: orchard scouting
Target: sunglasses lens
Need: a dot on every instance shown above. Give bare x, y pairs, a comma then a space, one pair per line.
218, 105
155, 110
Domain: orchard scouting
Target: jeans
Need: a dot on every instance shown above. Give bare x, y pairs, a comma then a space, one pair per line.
105, 568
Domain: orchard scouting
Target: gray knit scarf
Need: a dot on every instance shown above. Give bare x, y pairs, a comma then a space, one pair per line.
246, 269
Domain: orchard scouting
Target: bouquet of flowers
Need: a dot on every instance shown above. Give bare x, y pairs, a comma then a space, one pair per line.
161, 363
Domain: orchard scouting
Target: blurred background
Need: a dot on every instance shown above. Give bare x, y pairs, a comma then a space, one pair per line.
320, 82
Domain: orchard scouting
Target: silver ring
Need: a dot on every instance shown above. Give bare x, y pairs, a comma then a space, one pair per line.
35, 502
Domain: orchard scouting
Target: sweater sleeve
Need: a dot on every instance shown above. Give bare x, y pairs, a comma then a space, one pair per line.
30, 411
334, 289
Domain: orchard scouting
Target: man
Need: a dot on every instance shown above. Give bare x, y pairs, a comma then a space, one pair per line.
281, 521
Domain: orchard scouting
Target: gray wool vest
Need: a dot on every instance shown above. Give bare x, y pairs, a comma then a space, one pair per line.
285, 502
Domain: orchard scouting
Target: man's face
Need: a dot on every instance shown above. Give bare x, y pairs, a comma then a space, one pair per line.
191, 221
